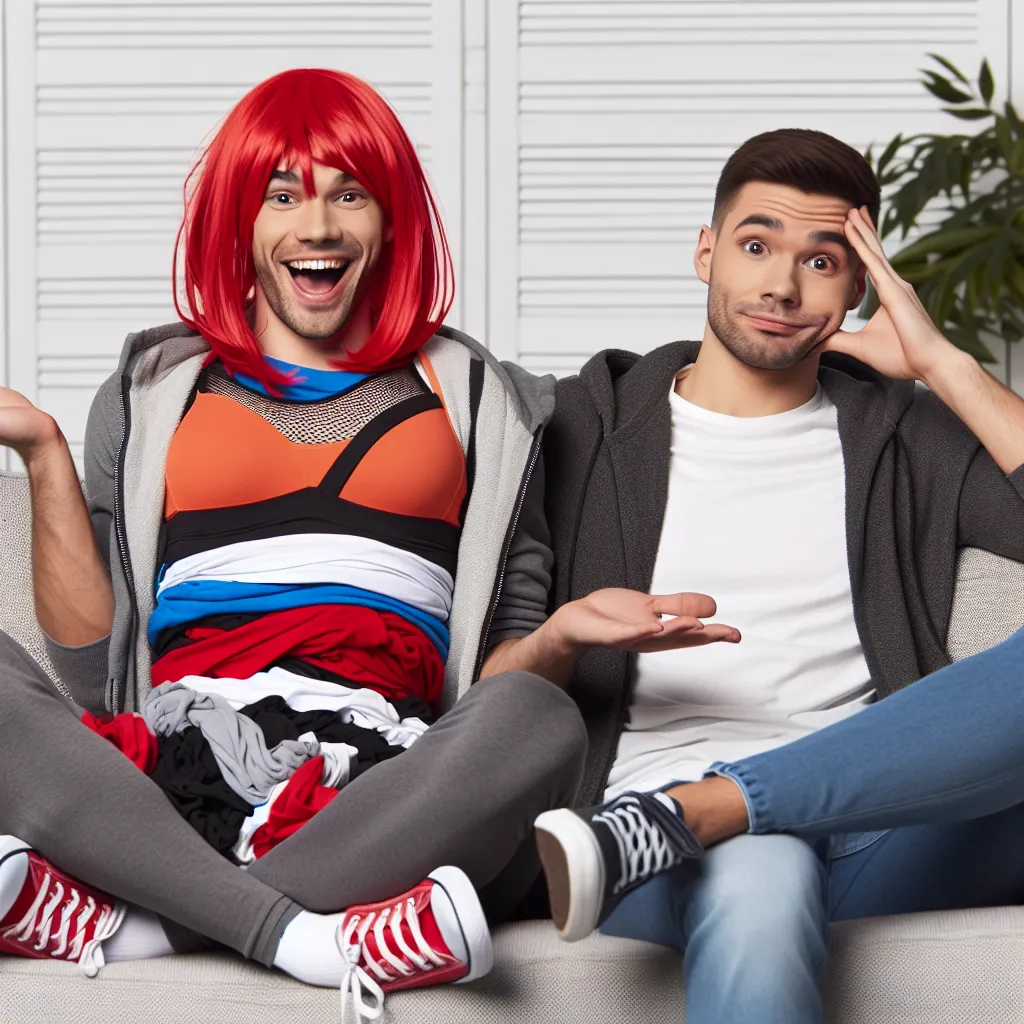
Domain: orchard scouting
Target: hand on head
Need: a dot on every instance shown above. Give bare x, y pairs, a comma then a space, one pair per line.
900, 340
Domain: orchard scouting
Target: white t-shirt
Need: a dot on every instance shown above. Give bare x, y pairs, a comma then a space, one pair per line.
756, 518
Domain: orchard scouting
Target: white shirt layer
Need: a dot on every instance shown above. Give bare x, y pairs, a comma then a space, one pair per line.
756, 518
303, 558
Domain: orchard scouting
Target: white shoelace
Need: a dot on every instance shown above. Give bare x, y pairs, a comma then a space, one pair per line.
643, 848
386, 926
70, 937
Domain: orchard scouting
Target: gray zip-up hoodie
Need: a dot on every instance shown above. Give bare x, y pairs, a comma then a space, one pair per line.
504, 562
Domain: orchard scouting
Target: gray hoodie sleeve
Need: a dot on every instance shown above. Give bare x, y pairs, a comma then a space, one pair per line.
84, 669
523, 602
992, 508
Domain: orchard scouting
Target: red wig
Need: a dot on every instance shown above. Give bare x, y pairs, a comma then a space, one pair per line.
292, 120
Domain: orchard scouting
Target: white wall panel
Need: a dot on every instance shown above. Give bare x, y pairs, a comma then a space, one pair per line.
110, 103
574, 145
618, 116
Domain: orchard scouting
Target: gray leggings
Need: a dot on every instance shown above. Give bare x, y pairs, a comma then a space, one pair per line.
465, 793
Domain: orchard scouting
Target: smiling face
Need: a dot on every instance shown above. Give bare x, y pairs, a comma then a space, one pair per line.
780, 272
314, 255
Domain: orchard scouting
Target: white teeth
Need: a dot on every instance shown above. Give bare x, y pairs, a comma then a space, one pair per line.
316, 264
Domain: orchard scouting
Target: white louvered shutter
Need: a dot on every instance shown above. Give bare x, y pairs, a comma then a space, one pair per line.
108, 102
611, 120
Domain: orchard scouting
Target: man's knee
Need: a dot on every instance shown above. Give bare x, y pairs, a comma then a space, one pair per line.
17, 666
543, 717
759, 893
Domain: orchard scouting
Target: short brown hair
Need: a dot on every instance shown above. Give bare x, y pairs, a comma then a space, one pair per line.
810, 161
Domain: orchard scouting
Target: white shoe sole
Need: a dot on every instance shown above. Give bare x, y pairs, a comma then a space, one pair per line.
574, 869
475, 932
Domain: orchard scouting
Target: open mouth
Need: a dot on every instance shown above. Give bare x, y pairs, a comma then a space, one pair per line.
317, 281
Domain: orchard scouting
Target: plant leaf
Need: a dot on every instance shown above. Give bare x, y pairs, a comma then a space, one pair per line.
1016, 161
986, 85
944, 89
949, 66
1014, 118
969, 113
888, 153
1004, 137
943, 242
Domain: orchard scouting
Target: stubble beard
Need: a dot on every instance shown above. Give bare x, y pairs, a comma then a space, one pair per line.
312, 326
760, 353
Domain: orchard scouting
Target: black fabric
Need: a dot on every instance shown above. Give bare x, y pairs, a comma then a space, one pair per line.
190, 778
309, 510
476, 390
918, 485
173, 637
343, 466
280, 722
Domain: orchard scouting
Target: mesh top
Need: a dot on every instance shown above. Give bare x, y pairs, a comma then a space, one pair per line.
329, 420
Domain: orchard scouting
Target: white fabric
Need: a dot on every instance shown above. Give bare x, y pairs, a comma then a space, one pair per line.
755, 517
360, 706
140, 937
337, 763
309, 558
260, 815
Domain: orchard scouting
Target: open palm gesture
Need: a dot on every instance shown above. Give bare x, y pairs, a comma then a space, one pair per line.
633, 621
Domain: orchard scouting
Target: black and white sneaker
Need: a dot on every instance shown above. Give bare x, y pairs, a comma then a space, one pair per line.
594, 857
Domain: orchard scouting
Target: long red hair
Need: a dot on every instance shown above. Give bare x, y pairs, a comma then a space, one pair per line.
293, 119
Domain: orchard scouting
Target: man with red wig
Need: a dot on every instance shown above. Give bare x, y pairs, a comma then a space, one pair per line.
313, 516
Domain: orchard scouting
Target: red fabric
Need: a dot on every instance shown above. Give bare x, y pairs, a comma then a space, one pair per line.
300, 799
378, 650
130, 734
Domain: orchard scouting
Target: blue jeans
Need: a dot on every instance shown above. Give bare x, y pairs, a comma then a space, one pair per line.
914, 803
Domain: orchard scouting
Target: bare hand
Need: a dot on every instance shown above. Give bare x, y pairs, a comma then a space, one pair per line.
900, 340
23, 427
631, 621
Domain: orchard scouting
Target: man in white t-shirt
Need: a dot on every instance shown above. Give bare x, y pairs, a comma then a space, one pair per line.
820, 500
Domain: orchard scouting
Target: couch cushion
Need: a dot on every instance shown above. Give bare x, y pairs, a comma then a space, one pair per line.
951, 968
988, 604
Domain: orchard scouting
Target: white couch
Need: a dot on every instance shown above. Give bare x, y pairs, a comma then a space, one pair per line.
942, 968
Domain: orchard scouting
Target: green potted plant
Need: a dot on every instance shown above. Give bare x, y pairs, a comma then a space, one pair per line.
969, 270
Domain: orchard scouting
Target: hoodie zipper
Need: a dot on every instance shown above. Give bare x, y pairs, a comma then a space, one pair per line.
503, 561
119, 527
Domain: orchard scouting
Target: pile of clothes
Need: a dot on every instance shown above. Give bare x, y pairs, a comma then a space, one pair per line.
247, 762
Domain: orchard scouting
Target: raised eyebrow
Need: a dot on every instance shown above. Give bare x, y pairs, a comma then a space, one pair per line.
762, 220
822, 237
288, 177
344, 179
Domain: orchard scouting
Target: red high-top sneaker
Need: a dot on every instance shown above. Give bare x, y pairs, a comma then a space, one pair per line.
433, 933
53, 915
